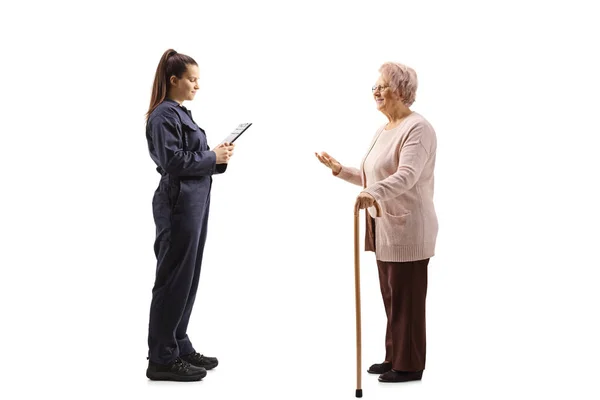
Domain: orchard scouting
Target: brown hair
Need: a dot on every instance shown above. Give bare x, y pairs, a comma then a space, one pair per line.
171, 63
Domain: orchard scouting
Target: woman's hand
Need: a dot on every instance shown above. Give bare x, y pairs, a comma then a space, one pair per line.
364, 200
330, 162
225, 145
224, 152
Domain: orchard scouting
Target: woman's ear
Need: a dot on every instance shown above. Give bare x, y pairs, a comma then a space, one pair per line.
398, 94
173, 80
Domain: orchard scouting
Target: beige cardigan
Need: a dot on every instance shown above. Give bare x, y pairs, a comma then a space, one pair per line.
408, 227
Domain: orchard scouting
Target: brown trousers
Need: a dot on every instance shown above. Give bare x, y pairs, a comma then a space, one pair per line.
404, 289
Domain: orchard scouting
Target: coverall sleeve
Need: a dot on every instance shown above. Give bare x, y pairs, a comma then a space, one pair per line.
167, 139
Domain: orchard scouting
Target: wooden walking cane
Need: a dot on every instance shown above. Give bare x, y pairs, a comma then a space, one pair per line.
357, 294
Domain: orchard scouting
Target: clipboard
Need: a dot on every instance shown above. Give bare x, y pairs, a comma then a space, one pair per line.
241, 128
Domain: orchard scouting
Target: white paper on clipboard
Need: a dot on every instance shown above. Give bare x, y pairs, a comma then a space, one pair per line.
241, 128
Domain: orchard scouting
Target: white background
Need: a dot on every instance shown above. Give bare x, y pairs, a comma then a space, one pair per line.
511, 89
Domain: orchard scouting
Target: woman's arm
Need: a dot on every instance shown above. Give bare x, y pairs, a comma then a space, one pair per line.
413, 156
349, 174
168, 144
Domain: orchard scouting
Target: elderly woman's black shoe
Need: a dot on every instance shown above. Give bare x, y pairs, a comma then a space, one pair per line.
401, 376
380, 368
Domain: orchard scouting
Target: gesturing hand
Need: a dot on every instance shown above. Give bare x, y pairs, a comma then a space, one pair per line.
330, 162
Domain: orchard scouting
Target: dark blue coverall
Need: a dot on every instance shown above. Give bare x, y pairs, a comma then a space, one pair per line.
180, 206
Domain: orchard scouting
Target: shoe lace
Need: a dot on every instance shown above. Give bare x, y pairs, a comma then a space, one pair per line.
181, 365
197, 356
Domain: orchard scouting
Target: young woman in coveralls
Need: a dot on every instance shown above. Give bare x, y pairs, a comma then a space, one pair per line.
180, 205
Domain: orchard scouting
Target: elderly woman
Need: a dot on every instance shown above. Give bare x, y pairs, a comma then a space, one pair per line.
397, 172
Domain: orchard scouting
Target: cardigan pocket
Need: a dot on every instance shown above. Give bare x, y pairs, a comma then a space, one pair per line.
396, 230
397, 219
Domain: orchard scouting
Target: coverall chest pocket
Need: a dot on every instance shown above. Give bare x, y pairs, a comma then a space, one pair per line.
193, 137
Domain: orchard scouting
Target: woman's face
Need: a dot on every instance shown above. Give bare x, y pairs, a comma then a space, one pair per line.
384, 97
186, 87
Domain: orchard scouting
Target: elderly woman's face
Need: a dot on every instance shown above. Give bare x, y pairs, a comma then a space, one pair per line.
384, 96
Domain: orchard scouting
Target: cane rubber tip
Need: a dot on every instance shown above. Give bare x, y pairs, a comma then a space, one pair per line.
358, 392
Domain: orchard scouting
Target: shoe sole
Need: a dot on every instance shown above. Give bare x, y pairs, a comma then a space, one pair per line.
402, 380
167, 376
408, 380
211, 366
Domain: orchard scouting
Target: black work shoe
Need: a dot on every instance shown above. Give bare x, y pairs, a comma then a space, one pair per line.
200, 360
380, 368
400, 376
178, 370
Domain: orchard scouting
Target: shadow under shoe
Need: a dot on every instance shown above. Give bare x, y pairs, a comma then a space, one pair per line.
200, 360
178, 370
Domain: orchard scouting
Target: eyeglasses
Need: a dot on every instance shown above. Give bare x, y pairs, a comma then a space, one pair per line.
380, 88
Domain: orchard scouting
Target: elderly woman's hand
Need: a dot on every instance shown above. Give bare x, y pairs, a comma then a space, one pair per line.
364, 200
330, 162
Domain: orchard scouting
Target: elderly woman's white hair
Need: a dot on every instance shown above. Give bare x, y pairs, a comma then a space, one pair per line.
402, 80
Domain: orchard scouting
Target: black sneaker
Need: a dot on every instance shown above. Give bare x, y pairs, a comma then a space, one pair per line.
200, 360
178, 370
